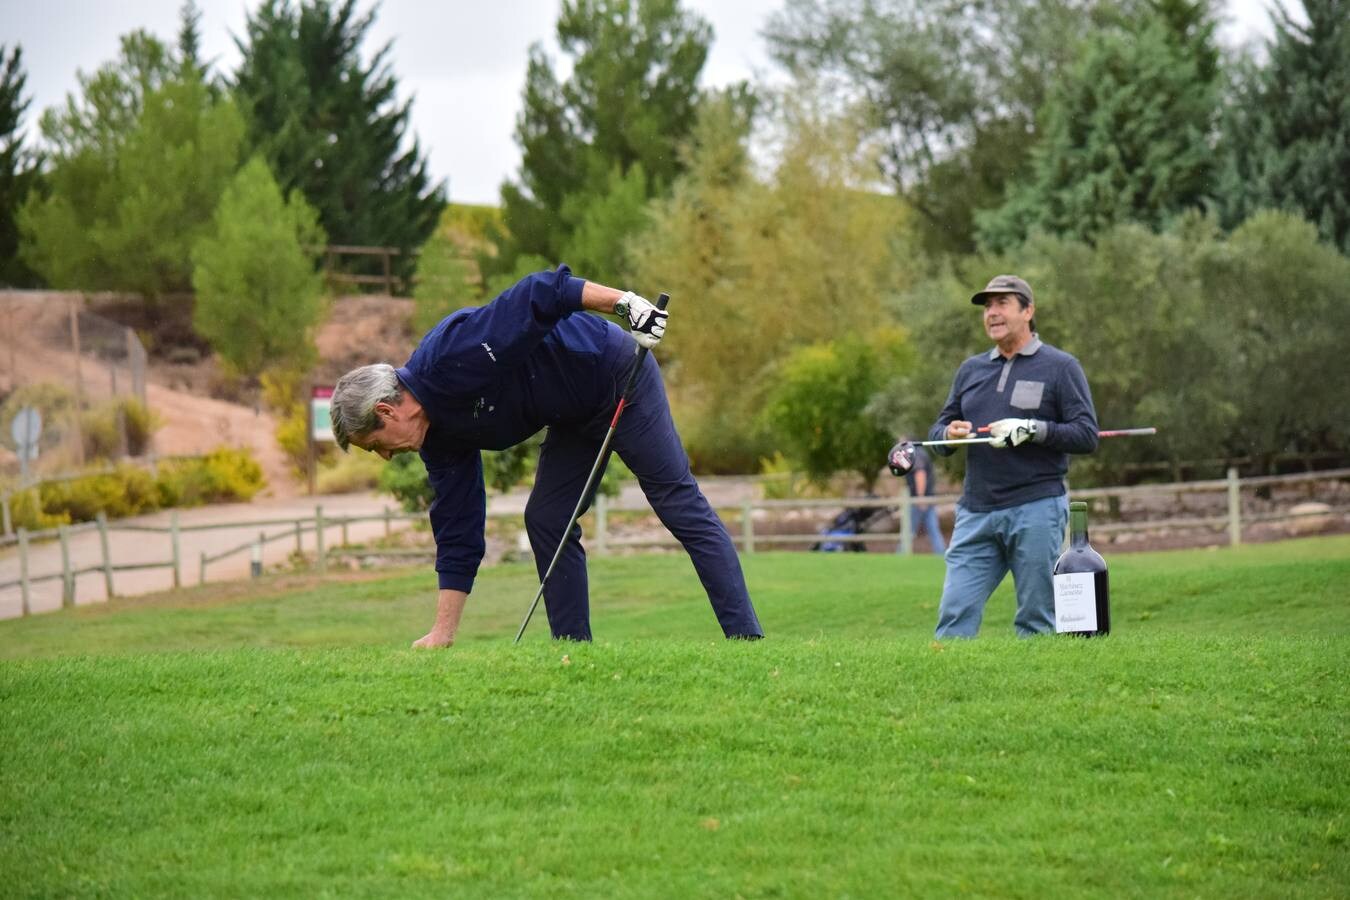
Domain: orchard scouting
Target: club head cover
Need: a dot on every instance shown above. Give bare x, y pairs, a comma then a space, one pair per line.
901, 458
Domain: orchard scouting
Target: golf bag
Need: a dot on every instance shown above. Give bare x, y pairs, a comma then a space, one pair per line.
853, 520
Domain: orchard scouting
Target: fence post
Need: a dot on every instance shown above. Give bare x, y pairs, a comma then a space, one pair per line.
345, 521
299, 547
907, 523
173, 540
102, 519
67, 580
23, 569
1234, 508
601, 523
9, 519
255, 565
747, 526
318, 538
201, 573
387, 529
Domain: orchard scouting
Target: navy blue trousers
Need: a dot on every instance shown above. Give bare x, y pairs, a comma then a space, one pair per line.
647, 443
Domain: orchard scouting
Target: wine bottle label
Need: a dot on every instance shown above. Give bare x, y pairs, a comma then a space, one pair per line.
1075, 602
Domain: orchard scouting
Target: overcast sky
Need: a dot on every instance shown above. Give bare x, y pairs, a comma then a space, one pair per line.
463, 61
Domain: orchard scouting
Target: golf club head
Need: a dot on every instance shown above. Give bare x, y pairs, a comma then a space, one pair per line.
901, 458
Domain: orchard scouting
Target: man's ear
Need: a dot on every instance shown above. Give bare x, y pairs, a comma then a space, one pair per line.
384, 410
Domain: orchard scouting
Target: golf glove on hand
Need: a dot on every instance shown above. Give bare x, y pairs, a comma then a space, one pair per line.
1011, 432
648, 323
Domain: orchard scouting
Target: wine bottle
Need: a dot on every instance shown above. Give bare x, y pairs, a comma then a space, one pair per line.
1082, 589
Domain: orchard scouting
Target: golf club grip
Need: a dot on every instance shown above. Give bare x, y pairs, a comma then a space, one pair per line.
642, 351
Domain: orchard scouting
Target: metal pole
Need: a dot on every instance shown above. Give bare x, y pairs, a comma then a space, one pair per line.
9, 519
1234, 507
67, 580
387, 528
79, 380
256, 564
318, 539
747, 526
906, 523
201, 571
102, 519
173, 540
23, 569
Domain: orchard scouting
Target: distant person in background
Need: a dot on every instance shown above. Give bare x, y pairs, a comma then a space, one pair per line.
1034, 398
923, 517
489, 377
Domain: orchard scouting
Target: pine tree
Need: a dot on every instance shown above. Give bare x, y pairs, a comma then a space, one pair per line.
1126, 136
18, 165
604, 141
139, 159
332, 127
1287, 134
258, 294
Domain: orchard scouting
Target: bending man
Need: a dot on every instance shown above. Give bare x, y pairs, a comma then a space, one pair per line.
488, 378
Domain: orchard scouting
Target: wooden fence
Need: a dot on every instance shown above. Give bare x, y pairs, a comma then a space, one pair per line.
600, 541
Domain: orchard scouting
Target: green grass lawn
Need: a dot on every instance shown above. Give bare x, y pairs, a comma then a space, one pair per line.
280, 739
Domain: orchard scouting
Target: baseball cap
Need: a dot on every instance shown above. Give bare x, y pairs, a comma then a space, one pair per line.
1004, 284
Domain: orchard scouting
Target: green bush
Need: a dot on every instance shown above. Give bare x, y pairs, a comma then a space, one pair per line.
128, 491
104, 427
221, 476
25, 510
405, 477
818, 405
349, 473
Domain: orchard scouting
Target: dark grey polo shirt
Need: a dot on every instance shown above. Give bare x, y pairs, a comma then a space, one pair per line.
1039, 382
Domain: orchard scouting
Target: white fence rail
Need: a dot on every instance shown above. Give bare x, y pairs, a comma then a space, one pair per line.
318, 527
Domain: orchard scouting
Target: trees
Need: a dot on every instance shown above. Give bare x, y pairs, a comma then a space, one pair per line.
138, 164
757, 269
950, 88
1287, 135
18, 165
595, 147
1207, 337
1126, 135
330, 125
258, 293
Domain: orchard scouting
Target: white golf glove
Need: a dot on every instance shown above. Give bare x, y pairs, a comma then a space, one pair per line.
1011, 432
648, 323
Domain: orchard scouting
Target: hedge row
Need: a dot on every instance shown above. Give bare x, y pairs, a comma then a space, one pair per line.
221, 476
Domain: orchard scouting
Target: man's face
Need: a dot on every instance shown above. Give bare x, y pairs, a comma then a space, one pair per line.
402, 431
1005, 319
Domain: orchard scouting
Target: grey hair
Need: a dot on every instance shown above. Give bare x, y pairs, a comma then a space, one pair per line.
354, 399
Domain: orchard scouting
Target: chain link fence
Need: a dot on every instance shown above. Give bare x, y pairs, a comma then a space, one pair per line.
83, 374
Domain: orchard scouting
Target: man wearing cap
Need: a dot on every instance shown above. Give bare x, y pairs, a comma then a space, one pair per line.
1034, 398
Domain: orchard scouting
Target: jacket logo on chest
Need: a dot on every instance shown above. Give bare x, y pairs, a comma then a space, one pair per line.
492, 356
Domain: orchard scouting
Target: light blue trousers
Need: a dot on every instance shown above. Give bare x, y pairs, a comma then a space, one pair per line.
985, 546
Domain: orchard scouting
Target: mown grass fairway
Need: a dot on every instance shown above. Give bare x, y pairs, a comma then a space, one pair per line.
283, 741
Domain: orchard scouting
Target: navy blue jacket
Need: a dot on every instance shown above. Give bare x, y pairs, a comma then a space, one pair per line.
1039, 382
491, 376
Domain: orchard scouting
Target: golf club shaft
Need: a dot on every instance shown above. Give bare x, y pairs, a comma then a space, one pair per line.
1118, 432
641, 355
